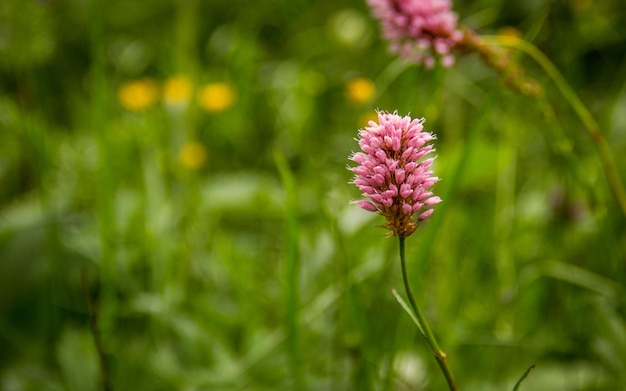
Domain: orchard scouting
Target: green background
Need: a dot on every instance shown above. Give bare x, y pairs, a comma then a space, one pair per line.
255, 272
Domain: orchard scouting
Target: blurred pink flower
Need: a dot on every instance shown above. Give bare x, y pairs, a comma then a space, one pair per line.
419, 30
393, 173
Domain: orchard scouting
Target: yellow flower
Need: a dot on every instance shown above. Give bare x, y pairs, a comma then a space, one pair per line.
215, 97
360, 90
137, 94
177, 90
193, 155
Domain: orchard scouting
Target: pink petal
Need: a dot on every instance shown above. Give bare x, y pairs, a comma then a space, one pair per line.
426, 215
406, 190
400, 175
432, 201
368, 206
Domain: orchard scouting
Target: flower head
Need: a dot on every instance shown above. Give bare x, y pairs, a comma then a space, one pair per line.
137, 95
216, 97
176, 90
394, 173
193, 155
419, 30
360, 90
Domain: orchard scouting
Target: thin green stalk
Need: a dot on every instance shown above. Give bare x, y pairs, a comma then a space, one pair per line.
440, 356
388, 75
104, 318
524, 376
589, 123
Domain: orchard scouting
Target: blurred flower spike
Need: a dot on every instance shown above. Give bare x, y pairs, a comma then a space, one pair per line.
177, 91
420, 31
216, 97
393, 172
360, 90
138, 95
193, 155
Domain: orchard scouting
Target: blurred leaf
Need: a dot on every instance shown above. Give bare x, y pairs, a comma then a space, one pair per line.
610, 337
408, 310
78, 359
244, 191
26, 32
575, 275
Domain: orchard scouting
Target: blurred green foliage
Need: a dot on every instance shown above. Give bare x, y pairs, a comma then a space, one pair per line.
122, 265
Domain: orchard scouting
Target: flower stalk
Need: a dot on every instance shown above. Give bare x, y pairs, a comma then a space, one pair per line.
524, 376
425, 329
394, 173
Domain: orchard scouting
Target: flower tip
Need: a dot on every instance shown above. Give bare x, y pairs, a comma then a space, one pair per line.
368, 206
447, 61
432, 201
426, 214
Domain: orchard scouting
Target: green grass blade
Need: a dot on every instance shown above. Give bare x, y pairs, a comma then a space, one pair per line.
291, 269
408, 310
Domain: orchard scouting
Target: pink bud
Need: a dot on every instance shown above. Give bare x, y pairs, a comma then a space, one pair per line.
432, 201
368, 206
426, 214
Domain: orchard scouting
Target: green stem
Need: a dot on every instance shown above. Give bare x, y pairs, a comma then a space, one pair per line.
104, 311
524, 376
291, 272
440, 356
589, 123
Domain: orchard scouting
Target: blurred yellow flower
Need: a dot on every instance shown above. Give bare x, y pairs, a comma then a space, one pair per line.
193, 155
138, 94
360, 90
177, 90
215, 97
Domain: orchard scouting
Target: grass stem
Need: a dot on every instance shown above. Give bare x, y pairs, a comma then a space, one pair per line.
524, 376
589, 123
291, 271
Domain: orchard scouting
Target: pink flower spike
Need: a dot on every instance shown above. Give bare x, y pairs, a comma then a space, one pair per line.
392, 174
420, 31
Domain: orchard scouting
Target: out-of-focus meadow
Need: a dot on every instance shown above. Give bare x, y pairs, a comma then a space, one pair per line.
174, 201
